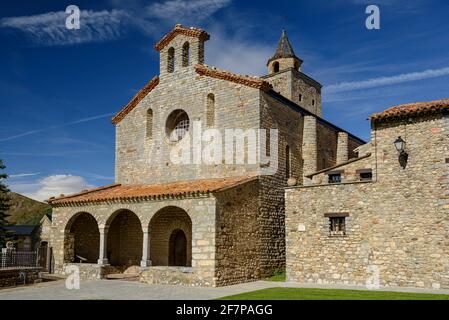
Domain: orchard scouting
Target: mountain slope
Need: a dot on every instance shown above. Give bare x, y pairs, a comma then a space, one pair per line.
25, 210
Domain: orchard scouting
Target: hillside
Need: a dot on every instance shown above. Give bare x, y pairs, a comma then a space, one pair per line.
25, 210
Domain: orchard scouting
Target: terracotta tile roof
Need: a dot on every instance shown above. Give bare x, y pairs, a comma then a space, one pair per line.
179, 29
136, 99
253, 82
410, 109
116, 192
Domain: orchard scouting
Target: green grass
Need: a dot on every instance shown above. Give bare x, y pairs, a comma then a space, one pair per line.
278, 276
331, 294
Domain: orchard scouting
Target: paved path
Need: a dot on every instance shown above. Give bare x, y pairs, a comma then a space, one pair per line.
124, 290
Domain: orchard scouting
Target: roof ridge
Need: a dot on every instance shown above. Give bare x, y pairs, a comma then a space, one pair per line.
250, 81
411, 109
142, 93
109, 186
176, 188
180, 29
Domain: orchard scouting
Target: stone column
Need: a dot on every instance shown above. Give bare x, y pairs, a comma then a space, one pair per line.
146, 262
309, 146
342, 147
102, 259
48, 258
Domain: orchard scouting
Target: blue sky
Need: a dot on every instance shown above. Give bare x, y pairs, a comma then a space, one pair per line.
59, 88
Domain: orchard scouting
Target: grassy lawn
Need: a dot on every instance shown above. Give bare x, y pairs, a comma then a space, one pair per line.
331, 294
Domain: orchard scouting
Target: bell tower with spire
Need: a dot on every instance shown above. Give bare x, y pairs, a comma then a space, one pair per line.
286, 77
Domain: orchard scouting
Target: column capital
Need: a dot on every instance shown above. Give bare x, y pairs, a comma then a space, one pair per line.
103, 229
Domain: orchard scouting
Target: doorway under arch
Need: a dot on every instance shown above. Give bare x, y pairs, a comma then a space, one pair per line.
171, 238
177, 249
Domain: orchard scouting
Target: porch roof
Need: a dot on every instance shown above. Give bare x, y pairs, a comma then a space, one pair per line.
116, 192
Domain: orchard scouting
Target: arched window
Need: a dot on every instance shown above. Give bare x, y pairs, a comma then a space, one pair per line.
210, 112
300, 97
297, 65
177, 126
276, 66
171, 60
287, 162
313, 102
185, 54
149, 124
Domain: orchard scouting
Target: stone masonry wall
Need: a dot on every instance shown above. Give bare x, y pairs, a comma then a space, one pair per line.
297, 87
146, 161
397, 225
239, 235
125, 240
200, 210
162, 226
326, 146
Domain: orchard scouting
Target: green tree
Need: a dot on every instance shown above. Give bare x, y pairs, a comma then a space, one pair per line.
4, 206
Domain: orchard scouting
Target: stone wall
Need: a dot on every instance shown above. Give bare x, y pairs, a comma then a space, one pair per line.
162, 227
397, 225
239, 235
201, 211
83, 240
297, 87
15, 277
326, 146
147, 161
125, 238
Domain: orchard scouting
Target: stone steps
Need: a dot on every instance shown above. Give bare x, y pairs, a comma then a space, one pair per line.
123, 276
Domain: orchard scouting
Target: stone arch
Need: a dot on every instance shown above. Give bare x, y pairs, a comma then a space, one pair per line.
125, 239
171, 60
186, 54
177, 248
164, 226
81, 239
275, 66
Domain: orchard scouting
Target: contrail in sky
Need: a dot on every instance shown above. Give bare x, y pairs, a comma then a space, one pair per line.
28, 133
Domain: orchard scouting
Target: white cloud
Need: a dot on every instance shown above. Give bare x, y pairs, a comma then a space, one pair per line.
234, 53
50, 28
22, 175
51, 186
185, 11
97, 26
385, 81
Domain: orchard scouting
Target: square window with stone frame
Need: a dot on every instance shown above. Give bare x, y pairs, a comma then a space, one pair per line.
365, 174
334, 177
337, 224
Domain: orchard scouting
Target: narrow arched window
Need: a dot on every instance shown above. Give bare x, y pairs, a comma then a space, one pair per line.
287, 162
149, 124
171, 60
210, 112
185, 54
276, 66
300, 97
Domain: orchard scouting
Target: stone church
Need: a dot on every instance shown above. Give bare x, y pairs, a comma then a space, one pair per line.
223, 222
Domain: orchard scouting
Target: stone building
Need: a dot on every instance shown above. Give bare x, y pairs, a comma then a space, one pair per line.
381, 218
195, 222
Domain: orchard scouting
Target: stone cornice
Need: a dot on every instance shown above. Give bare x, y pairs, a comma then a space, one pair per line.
179, 29
136, 99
